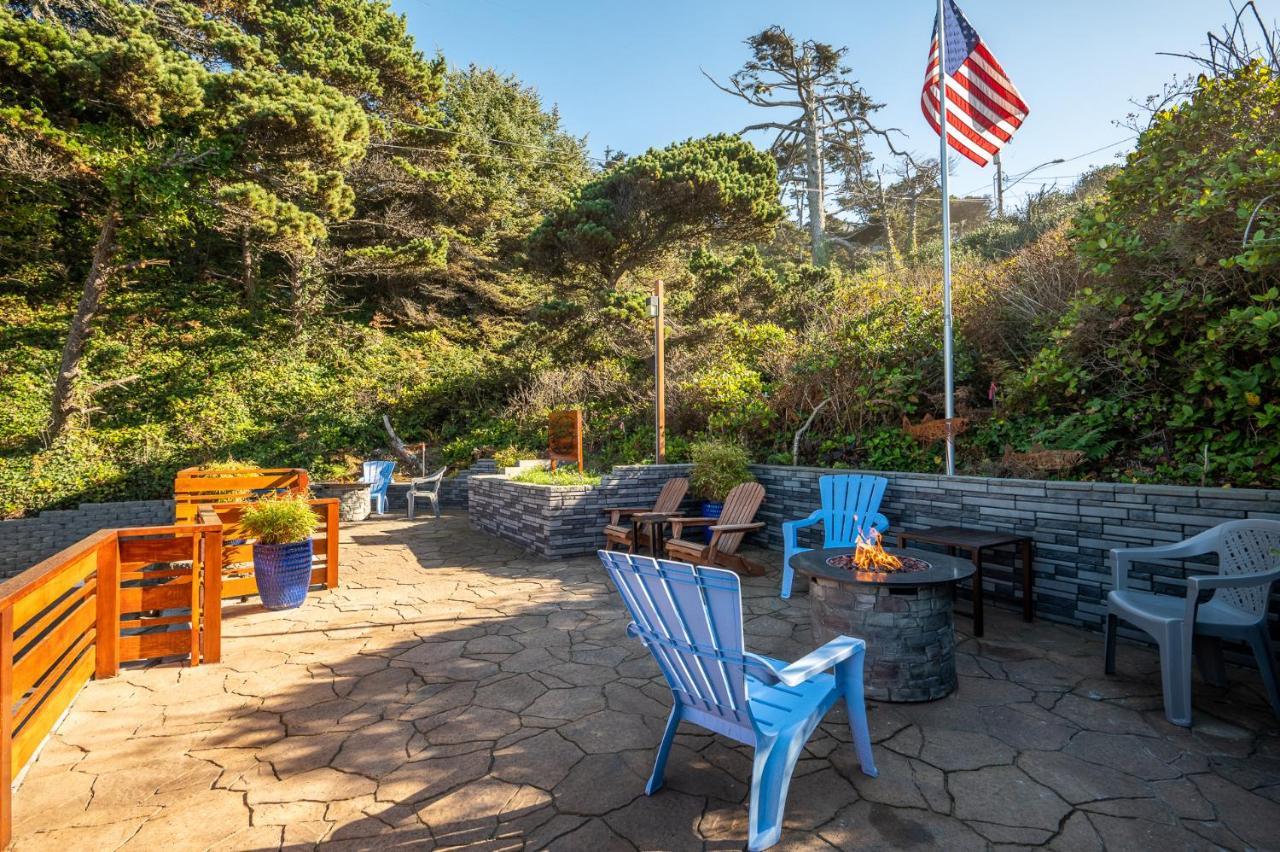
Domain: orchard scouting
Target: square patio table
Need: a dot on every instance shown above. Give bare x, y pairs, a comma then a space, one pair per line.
975, 542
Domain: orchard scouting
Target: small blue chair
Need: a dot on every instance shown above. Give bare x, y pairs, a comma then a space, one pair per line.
850, 508
690, 619
378, 475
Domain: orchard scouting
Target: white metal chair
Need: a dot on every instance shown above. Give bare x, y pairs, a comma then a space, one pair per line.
426, 488
1236, 609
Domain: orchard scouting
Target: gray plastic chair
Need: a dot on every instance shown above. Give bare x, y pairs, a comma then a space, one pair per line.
426, 488
1235, 609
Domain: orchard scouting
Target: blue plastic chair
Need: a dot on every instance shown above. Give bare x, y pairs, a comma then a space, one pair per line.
691, 621
850, 508
378, 475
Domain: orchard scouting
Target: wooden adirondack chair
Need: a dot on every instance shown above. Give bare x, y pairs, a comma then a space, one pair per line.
727, 531
850, 508
644, 519
690, 619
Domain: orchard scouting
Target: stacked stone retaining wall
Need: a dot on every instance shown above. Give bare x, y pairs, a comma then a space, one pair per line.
26, 541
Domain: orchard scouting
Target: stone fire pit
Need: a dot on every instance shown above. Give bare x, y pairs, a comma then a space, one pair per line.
904, 616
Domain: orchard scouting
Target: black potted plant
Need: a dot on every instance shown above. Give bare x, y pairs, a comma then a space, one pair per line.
718, 466
281, 527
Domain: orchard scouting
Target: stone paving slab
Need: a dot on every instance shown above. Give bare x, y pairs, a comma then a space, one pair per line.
457, 693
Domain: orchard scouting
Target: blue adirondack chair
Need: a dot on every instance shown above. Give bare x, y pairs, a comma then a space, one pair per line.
691, 621
850, 508
378, 474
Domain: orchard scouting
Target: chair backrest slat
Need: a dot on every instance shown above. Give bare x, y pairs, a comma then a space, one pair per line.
378, 474
849, 501
1246, 547
671, 495
691, 620
740, 507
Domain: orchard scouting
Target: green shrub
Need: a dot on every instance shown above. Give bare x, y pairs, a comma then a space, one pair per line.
717, 467
560, 476
512, 456
280, 520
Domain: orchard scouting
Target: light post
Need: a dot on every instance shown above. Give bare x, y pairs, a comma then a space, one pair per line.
659, 375
1001, 186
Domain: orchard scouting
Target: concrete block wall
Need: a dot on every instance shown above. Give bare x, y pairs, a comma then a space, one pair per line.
1074, 525
562, 521
26, 541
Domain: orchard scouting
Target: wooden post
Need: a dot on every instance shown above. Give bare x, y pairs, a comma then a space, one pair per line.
331, 545
107, 626
6, 726
659, 376
211, 647
197, 572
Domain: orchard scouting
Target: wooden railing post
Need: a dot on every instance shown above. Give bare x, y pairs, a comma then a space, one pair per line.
331, 545
107, 640
6, 726
212, 563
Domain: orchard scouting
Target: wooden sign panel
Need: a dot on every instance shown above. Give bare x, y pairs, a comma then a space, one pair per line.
564, 437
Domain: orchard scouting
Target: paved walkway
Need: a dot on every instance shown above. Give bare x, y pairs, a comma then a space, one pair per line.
455, 692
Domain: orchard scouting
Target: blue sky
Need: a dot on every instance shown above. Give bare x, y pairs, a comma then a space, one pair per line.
627, 74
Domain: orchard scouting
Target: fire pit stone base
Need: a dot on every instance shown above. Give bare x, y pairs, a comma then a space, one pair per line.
908, 630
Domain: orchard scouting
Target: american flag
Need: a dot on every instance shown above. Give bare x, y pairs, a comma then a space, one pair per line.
983, 105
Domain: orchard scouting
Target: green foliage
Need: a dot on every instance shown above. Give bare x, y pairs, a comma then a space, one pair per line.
717, 467
561, 476
280, 519
511, 455
719, 187
1172, 353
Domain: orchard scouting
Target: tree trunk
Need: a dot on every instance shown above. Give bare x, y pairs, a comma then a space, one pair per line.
814, 195
246, 261
95, 285
891, 242
913, 239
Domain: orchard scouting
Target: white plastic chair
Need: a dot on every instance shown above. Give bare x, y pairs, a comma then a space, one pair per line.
1236, 610
426, 488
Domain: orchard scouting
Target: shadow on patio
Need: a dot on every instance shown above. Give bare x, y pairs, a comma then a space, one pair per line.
456, 692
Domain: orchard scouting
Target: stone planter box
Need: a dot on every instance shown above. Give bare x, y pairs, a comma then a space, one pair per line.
561, 521
354, 503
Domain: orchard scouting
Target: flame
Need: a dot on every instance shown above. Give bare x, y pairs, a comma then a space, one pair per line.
871, 555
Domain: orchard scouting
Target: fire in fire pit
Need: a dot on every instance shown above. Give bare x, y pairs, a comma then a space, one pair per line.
870, 557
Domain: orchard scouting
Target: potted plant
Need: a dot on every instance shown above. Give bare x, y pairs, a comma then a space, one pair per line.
718, 466
282, 527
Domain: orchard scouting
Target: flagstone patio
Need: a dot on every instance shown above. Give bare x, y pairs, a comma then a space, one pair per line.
456, 692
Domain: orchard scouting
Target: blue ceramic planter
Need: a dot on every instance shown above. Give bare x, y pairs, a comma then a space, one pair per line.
710, 510
283, 572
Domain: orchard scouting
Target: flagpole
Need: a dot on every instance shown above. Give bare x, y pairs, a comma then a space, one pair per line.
948, 378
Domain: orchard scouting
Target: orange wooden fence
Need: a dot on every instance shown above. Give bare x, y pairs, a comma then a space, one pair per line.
237, 549
194, 487
84, 610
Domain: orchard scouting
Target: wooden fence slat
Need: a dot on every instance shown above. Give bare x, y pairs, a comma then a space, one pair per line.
148, 646
44, 654
36, 701
28, 739
147, 551
171, 595
63, 581
33, 631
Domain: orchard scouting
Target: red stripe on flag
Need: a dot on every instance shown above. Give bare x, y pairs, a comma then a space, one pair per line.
928, 104
1016, 97
959, 123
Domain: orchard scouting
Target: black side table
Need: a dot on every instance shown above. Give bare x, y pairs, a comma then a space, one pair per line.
975, 542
